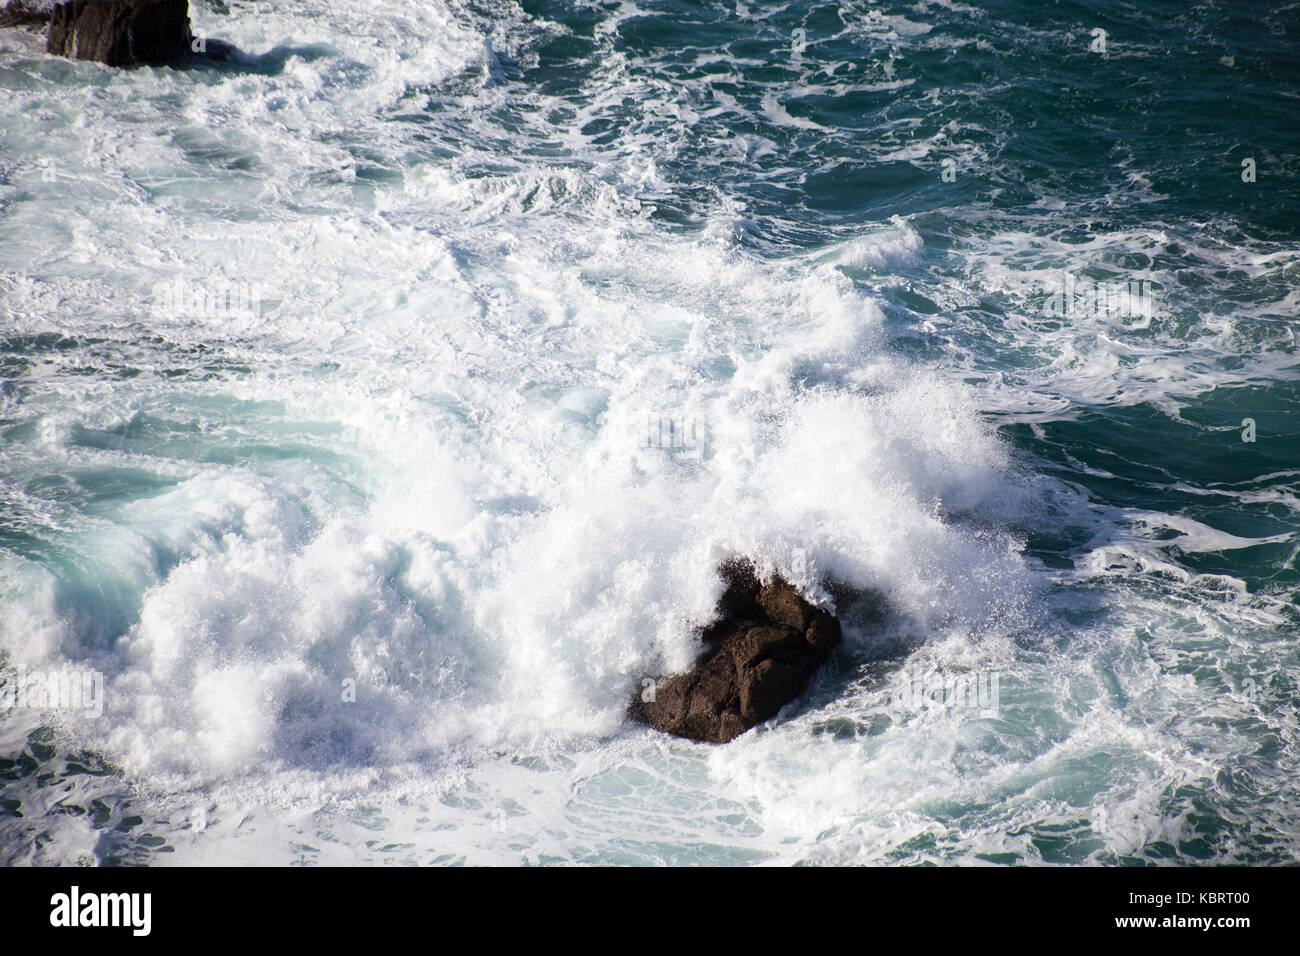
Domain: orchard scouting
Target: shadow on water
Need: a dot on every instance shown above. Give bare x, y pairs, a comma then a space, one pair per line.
227, 58
877, 643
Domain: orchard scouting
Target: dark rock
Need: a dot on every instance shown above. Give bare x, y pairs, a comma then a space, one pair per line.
760, 654
120, 32
24, 13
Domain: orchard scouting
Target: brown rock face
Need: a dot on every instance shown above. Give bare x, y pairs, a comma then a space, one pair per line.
762, 652
23, 13
120, 32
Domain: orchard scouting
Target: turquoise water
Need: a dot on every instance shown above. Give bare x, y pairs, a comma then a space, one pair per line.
369, 527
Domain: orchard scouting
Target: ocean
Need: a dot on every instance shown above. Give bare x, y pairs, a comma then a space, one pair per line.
377, 404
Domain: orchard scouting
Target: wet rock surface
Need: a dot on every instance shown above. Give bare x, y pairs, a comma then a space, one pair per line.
761, 653
24, 13
120, 32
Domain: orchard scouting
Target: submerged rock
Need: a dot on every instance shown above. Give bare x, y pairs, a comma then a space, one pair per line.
761, 654
120, 32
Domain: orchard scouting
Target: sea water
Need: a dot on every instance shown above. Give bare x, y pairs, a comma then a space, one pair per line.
377, 404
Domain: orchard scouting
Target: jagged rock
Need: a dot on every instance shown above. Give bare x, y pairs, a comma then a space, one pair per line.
24, 13
760, 654
120, 32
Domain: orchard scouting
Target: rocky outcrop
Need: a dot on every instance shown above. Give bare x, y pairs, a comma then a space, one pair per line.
24, 13
760, 654
120, 32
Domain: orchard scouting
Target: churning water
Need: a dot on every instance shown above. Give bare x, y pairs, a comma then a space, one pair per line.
376, 406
